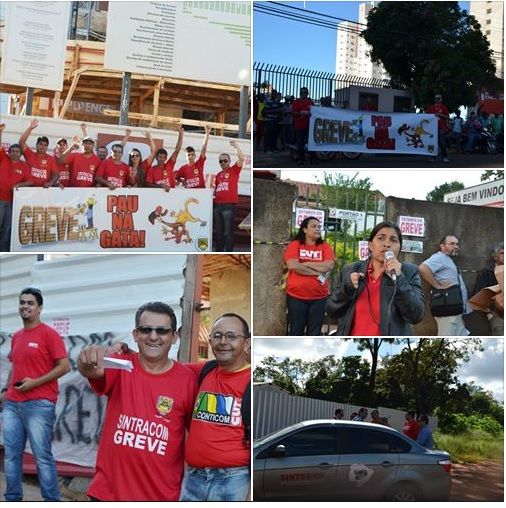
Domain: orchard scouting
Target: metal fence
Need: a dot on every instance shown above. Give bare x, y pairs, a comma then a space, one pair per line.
276, 409
289, 80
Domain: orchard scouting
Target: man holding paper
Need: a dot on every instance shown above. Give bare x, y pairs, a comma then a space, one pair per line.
150, 401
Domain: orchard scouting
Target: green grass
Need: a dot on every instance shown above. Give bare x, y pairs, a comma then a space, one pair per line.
473, 446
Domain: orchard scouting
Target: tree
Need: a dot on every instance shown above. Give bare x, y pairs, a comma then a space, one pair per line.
437, 194
492, 174
426, 370
372, 345
286, 373
430, 47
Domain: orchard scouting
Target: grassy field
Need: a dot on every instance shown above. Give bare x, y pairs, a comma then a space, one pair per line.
470, 447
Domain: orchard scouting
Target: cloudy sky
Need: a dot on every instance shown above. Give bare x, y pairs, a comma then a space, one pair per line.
485, 369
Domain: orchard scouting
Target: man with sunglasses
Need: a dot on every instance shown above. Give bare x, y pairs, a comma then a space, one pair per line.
226, 196
38, 358
141, 450
113, 172
218, 445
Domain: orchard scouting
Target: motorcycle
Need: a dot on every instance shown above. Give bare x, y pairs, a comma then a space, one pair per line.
485, 142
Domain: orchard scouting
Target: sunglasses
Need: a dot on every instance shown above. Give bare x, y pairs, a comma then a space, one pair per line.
117, 151
159, 330
223, 161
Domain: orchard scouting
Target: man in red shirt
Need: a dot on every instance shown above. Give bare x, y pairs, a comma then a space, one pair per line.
83, 166
442, 113
14, 173
38, 357
162, 174
226, 196
43, 166
141, 450
113, 172
217, 451
411, 426
191, 175
301, 114
63, 168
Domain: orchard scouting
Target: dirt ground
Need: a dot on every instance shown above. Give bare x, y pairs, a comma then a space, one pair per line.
470, 482
478, 482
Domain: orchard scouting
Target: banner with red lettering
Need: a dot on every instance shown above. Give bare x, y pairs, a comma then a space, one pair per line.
124, 220
341, 130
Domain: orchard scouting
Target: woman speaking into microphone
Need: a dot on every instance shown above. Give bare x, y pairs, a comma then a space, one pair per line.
381, 295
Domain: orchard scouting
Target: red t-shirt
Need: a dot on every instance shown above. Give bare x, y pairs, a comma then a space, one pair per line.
227, 185
368, 302
11, 173
141, 450
299, 105
117, 174
307, 287
63, 169
217, 431
193, 174
439, 109
42, 167
162, 175
411, 429
82, 169
33, 354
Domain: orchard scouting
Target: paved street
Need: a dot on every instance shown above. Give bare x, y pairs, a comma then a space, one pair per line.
281, 160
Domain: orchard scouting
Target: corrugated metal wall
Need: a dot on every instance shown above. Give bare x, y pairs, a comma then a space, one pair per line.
276, 409
95, 292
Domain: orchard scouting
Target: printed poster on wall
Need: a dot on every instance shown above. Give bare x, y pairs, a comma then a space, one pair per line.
95, 219
34, 44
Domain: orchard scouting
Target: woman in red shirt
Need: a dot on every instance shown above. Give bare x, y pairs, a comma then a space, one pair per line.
309, 260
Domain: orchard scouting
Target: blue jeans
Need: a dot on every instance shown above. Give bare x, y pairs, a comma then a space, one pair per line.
33, 419
210, 484
224, 224
305, 317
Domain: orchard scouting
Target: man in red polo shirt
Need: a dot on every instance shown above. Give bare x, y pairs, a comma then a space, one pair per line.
83, 165
14, 173
191, 175
162, 174
42, 165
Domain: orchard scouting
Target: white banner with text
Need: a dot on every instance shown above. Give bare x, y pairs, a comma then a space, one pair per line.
342, 130
124, 220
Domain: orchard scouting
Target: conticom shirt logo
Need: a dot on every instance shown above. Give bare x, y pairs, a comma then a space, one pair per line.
217, 408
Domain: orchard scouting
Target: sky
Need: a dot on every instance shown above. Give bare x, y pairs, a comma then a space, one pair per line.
400, 183
485, 369
297, 44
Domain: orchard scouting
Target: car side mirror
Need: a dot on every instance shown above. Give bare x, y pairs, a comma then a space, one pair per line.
280, 451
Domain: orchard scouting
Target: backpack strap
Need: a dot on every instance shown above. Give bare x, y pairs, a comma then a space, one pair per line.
208, 367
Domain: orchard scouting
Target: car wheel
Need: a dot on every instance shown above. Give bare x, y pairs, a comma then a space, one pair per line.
404, 492
491, 147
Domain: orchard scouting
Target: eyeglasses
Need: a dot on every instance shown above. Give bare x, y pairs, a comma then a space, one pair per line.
228, 336
117, 151
159, 330
223, 161
134, 154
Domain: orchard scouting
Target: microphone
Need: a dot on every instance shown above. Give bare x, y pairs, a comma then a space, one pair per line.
390, 255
